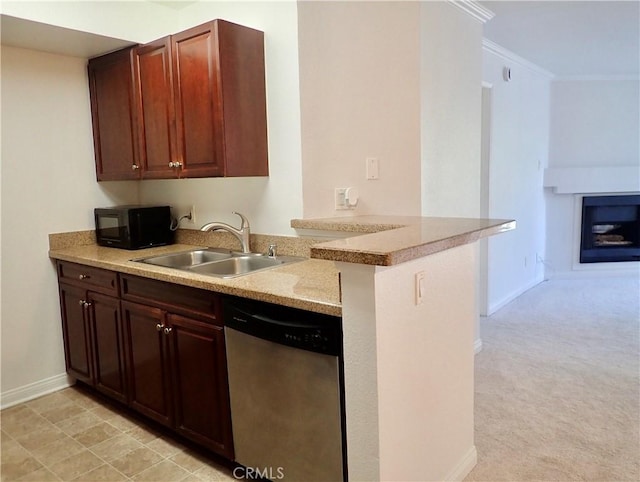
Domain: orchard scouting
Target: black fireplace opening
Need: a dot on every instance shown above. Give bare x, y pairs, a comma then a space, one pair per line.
610, 229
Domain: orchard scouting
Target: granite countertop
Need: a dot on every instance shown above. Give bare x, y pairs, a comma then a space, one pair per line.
310, 285
390, 240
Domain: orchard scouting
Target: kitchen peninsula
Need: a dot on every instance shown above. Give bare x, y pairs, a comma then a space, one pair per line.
409, 307
407, 297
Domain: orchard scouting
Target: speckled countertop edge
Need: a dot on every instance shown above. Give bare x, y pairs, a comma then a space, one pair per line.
391, 240
310, 285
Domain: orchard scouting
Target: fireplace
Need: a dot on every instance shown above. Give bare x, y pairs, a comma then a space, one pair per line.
610, 229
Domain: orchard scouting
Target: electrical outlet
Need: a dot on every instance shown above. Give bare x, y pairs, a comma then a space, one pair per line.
340, 201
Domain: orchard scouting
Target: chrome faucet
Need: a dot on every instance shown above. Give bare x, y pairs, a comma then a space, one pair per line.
243, 234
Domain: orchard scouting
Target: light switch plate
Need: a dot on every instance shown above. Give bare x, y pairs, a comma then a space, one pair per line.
419, 287
373, 168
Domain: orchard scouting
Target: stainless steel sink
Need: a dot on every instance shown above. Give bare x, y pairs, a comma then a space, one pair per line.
239, 265
220, 263
187, 259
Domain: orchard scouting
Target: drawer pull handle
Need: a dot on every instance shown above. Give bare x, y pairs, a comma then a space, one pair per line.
167, 330
84, 276
159, 327
82, 303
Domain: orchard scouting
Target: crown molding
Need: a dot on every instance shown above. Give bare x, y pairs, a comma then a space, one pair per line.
473, 8
500, 51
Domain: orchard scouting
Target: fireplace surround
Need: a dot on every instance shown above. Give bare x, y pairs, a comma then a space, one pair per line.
610, 229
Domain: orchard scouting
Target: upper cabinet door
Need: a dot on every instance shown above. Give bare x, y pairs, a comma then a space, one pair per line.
155, 109
113, 114
220, 98
198, 103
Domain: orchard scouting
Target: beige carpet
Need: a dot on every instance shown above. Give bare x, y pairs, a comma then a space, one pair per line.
557, 385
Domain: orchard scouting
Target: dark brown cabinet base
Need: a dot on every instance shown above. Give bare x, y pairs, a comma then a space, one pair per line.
157, 347
91, 320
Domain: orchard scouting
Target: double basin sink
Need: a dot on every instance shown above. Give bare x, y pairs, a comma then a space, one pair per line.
221, 263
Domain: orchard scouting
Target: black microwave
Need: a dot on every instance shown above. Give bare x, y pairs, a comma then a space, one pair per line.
134, 227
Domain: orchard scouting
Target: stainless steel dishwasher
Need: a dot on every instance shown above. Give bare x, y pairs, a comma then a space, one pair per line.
285, 378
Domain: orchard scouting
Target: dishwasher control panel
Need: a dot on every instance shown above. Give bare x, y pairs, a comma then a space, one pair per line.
287, 326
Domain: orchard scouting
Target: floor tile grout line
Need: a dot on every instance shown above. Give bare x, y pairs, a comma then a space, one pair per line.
87, 404
52, 424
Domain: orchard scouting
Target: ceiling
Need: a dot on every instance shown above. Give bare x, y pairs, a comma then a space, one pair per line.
570, 38
567, 38
28, 34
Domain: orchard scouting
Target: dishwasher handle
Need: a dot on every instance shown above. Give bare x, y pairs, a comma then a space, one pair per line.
286, 326
238, 315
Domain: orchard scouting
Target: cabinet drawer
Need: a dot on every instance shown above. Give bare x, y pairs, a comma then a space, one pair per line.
95, 279
194, 302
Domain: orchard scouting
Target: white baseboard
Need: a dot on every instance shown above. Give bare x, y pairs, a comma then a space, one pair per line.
464, 466
495, 306
35, 390
477, 346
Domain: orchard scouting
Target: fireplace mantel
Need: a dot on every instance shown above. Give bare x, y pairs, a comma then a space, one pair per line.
577, 180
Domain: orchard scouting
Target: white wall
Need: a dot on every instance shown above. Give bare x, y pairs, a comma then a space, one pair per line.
409, 368
451, 64
269, 202
360, 97
594, 123
48, 186
519, 143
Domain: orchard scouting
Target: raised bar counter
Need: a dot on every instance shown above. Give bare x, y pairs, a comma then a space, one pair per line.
391, 240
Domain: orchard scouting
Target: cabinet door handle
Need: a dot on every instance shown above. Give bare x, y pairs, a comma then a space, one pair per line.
87, 304
178, 164
172, 164
82, 303
167, 330
135, 167
84, 276
159, 327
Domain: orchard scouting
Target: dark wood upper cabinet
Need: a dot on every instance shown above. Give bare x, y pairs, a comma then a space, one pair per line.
241, 70
154, 104
114, 117
197, 107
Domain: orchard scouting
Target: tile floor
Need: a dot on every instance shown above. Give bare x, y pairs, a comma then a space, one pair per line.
71, 436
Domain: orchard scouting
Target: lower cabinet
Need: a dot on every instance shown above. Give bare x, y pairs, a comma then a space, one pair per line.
199, 380
158, 347
92, 331
148, 362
